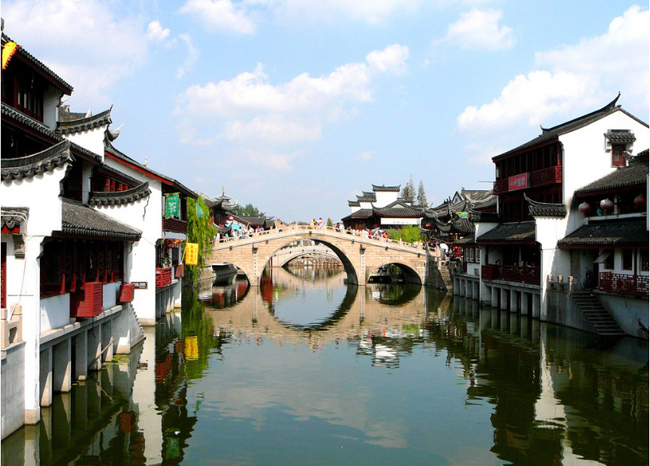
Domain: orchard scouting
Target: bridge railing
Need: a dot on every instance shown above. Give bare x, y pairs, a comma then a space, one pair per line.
287, 230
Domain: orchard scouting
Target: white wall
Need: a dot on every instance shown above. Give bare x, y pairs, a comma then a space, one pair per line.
585, 160
55, 312
145, 215
92, 140
384, 198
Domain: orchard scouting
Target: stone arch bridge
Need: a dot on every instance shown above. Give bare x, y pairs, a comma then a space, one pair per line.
360, 256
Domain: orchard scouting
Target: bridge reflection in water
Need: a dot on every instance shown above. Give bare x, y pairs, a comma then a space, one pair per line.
430, 381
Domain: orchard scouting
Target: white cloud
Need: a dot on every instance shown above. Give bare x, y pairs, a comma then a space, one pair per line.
268, 120
368, 11
272, 129
191, 56
366, 156
93, 48
156, 33
252, 92
480, 29
219, 15
577, 78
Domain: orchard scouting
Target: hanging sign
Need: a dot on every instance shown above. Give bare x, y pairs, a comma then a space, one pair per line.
172, 205
192, 254
462, 214
8, 51
199, 211
518, 182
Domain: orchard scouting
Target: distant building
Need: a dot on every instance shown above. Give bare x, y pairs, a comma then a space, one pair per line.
382, 208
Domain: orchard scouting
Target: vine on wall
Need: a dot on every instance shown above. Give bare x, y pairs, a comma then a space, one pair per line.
200, 230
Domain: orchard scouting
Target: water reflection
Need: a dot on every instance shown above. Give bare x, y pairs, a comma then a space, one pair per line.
396, 375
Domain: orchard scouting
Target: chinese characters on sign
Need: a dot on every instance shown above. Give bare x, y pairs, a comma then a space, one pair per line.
518, 182
191, 253
172, 206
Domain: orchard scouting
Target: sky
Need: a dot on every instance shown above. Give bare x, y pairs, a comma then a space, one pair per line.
296, 106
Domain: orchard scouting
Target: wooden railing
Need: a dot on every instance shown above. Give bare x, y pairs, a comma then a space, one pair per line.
543, 177
511, 273
163, 276
175, 225
633, 285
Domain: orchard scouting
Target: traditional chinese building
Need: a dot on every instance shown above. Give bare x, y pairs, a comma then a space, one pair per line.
538, 185
382, 208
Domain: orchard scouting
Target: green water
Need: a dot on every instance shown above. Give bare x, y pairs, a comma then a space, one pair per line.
306, 370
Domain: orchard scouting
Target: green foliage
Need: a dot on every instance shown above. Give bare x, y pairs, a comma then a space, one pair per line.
249, 210
329, 222
408, 234
200, 230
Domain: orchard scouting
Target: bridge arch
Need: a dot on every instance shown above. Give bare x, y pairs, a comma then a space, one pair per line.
410, 274
358, 255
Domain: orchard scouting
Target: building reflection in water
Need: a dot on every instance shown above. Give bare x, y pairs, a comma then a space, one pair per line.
555, 396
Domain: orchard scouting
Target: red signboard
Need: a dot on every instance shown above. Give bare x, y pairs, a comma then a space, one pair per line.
518, 182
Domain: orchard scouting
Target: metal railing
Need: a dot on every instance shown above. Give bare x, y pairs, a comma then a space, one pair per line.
511, 273
634, 285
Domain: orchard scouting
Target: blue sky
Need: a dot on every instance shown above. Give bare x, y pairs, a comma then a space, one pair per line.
295, 106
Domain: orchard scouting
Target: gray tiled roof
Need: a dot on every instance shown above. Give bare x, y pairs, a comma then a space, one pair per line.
618, 136
36, 62
353, 204
10, 112
367, 197
382, 188
13, 216
520, 232
631, 175
548, 134
81, 220
69, 125
26, 167
120, 197
620, 232
545, 209
483, 217
465, 240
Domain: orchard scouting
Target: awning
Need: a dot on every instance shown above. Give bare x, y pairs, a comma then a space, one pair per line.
619, 233
603, 256
81, 220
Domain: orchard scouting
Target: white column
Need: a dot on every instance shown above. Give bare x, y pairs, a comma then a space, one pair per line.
495, 297
62, 367
504, 299
45, 380
94, 340
524, 303
535, 305
513, 300
81, 356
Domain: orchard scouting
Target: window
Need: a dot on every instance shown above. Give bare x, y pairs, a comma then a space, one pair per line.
643, 255
628, 256
618, 155
608, 263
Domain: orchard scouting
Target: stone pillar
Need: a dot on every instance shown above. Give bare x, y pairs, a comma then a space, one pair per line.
535, 305
456, 286
477, 291
62, 367
504, 300
514, 301
468, 288
46, 377
80, 356
524, 303
107, 335
94, 341
495, 297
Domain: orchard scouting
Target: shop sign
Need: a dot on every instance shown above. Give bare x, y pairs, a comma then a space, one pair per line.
518, 182
172, 206
192, 254
140, 285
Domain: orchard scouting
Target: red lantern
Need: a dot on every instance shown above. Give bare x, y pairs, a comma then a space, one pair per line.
585, 208
639, 201
607, 205
428, 226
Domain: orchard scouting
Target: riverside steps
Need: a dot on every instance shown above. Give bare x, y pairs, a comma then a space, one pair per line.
360, 255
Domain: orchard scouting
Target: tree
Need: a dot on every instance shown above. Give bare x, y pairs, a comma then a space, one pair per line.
329, 222
249, 210
422, 197
408, 193
200, 230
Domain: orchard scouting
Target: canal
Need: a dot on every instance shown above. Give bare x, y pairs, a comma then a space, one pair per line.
308, 370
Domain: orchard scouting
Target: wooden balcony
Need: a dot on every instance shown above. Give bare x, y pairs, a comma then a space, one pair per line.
546, 176
631, 285
163, 276
538, 178
511, 273
175, 225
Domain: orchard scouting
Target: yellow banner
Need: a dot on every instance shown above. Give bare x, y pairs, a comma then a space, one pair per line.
7, 52
192, 254
191, 348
